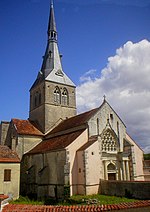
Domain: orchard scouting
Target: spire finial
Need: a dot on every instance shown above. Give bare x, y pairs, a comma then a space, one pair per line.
104, 97
52, 3
52, 32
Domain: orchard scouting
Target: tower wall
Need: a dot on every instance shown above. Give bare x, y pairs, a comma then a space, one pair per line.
47, 112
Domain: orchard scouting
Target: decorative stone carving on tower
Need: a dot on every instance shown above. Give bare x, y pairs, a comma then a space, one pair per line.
52, 95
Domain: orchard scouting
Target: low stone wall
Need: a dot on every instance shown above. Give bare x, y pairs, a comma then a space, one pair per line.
130, 189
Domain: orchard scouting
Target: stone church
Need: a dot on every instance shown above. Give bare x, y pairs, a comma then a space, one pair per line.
59, 149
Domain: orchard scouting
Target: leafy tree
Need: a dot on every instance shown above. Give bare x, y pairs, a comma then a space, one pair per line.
147, 156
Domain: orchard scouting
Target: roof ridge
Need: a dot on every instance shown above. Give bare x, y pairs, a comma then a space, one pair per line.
73, 122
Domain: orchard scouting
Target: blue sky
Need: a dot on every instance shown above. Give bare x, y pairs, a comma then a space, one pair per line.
89, 32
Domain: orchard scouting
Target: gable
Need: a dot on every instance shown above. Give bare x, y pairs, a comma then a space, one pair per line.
97, 123
106, 112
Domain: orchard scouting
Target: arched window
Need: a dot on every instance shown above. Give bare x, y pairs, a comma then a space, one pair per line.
65, 99
111, 167
57, 95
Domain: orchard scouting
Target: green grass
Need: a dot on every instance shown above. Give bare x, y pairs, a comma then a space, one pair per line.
76, 200
102, 199
26, 201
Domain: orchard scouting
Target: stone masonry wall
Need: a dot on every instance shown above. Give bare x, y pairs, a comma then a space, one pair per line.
134, 189
3, 132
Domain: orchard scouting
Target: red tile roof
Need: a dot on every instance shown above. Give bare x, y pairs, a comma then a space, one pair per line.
25, 127
51, 208
56, 143
73, 122
91, 141
7, 155
3, 196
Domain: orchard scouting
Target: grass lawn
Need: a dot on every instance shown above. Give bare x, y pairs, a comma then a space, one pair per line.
101, 199
76, 200
26, 201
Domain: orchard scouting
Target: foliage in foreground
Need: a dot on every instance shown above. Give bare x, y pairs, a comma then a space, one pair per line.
76, 200
26, 201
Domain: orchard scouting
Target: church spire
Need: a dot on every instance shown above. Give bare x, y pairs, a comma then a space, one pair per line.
52, 96
52, 32
51, 68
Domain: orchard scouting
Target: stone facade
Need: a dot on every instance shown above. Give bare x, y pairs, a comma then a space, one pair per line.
135, 190
43, 178
48, 111
3, 131
146, 166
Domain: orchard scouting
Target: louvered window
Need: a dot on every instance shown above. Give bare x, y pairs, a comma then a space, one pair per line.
57, 95
65, 100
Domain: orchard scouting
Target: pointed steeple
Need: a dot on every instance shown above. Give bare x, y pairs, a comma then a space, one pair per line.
53, 95
51, 69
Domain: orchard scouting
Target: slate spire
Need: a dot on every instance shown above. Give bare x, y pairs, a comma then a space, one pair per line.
51, 69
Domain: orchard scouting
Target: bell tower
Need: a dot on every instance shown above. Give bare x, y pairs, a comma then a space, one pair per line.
52, 95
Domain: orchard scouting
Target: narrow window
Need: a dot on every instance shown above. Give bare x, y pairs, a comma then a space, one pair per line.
35, 101
111, 116
65, 100
97, 126
39, 98
54, 35
7, 175
50, 54
57, 95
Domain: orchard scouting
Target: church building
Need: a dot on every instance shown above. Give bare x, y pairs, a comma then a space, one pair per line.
59, 149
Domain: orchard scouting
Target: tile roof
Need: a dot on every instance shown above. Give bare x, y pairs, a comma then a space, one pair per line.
56, 143
26, 127
91, 141
8, 155
51, 208
3, 196
74, 121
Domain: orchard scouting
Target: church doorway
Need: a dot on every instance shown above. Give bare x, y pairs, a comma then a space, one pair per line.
111, 171
111, 176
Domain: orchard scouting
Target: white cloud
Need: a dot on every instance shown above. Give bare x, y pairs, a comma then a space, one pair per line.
88, 76
126, 83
